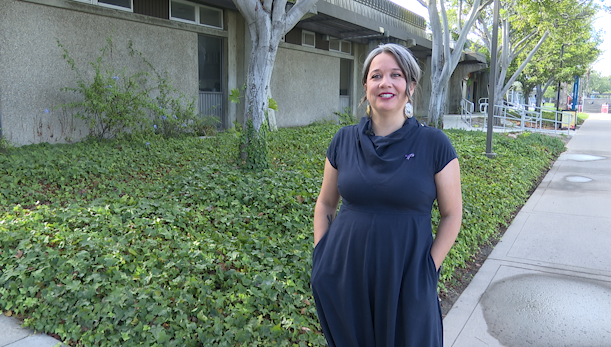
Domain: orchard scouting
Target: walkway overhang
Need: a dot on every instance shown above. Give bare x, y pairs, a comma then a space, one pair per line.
363, 24
362, 21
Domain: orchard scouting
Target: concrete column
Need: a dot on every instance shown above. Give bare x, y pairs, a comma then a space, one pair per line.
358, 91
231, 65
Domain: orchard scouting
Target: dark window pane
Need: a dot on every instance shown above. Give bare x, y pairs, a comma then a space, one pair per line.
183, 11
308, 39
211, 17
345, 67
210, 63
334, 44
346, 47
120, 3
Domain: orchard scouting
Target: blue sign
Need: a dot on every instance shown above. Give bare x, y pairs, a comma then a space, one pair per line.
575, 94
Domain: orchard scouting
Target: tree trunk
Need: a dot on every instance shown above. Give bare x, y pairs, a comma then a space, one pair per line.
253, 143
539, 93
527, 90
443, 59
259, 77
437, 106
267, 21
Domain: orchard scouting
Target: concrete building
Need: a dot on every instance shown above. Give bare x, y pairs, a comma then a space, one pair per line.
204, 48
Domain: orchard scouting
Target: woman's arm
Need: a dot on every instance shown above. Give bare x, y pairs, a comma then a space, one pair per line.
449, 199
326, 205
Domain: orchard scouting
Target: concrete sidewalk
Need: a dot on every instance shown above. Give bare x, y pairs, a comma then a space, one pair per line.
13, 335
548, 281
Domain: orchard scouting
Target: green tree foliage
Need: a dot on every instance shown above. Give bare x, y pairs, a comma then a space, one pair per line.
598, 83
573, 45
532, 34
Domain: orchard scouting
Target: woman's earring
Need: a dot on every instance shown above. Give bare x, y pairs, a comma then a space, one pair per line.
409, 110
368, 110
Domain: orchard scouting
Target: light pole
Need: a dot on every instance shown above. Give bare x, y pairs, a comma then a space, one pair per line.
492, 81
558, 91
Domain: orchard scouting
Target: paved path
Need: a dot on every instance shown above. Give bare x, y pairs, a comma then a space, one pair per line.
13, 335
548, 281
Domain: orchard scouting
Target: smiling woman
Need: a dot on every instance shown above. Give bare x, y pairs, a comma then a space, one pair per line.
375, 267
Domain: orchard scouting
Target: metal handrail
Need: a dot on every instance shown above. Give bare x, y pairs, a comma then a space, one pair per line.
466, 111
516, 112
483, 105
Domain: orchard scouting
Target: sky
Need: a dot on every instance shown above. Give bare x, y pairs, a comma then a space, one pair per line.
603, 64
603, 22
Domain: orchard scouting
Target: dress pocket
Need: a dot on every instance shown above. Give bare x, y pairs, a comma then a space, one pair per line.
434, 268
320, 244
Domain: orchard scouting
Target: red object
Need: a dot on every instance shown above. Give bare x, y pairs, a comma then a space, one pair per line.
604, 108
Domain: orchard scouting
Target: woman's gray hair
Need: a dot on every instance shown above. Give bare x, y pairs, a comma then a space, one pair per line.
405, 59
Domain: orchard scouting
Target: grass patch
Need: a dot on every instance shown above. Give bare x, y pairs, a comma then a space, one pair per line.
167, 243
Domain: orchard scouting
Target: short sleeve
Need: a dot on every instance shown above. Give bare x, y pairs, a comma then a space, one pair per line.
334, 146
444, 151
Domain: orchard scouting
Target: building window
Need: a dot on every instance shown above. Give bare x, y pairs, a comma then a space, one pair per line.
210, 58
125, 5
211, 16
184, 11
308, 38
334, 45
338, 45
346, 47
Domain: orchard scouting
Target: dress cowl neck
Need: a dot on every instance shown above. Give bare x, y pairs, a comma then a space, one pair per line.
365, 131
384, 153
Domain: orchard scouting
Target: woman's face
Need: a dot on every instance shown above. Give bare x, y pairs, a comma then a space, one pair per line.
386, 85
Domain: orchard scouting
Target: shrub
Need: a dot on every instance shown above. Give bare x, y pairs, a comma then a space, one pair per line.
116, 103
4, 144
345, 117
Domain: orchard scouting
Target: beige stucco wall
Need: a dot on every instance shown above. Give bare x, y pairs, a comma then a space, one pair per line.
32, 70
305, 84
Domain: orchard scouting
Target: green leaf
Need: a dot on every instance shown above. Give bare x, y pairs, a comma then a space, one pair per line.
272, 104
234, 95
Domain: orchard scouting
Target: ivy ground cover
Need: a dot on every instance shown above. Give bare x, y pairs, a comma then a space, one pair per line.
164, 242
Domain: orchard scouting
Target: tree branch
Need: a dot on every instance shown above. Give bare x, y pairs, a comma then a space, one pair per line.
524, 63
547, 84
523, 42
279, 10
484, 5
486, 37
462, 38
268, 5
446, 34
248, 9
437, 39
298, 11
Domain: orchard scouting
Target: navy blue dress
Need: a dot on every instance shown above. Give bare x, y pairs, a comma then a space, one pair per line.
373, 277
